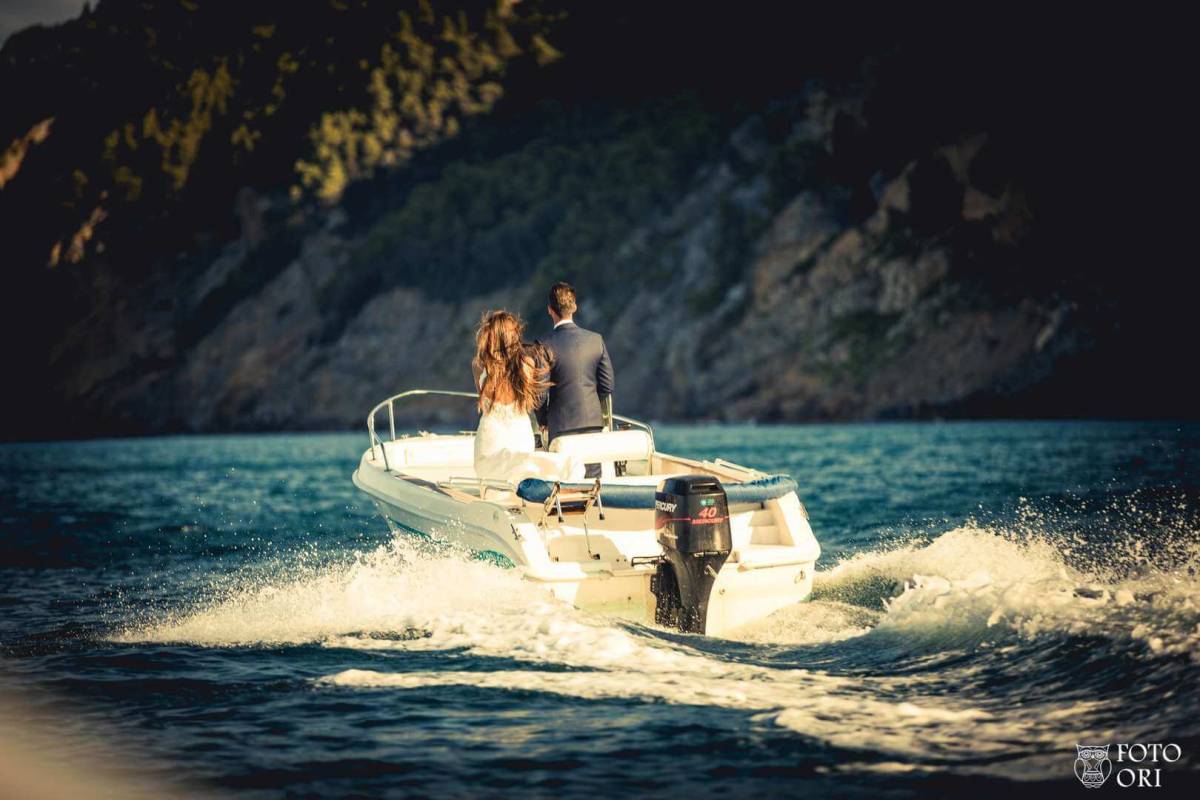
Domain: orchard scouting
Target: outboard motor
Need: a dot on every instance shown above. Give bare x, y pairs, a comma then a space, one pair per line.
691, 518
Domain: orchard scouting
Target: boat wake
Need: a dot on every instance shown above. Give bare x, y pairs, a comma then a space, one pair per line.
942, 653
971, 587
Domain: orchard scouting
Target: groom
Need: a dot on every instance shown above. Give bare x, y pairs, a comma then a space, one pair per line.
581, 374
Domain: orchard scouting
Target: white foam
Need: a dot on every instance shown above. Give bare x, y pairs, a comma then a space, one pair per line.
908, 715
968, 588
393, 589
966, 585
809, 623
844, 712
969, 580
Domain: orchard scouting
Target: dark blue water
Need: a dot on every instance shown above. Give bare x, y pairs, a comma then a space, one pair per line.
226, 613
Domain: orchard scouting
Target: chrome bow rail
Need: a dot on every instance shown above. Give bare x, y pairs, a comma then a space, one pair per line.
390, 405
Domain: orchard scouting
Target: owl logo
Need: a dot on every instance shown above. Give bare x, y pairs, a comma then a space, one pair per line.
1092, 766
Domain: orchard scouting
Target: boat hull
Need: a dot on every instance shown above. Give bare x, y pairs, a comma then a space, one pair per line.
603, 563
420, 511
623, 595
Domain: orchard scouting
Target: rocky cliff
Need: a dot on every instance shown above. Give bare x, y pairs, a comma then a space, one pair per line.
807, 315
840, 246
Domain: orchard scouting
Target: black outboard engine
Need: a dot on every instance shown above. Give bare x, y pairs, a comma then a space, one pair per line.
691, 517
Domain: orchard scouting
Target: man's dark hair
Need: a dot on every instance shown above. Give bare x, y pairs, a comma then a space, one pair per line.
562, 299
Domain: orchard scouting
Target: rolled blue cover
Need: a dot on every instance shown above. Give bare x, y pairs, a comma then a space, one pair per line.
619, 495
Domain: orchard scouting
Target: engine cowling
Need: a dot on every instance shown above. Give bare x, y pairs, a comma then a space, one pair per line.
691, 516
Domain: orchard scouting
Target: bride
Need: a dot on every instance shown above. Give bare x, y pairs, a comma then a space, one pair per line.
511, 383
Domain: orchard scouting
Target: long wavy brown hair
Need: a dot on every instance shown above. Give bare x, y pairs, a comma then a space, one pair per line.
514, 373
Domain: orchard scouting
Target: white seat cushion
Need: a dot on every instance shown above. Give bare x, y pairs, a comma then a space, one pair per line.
605, 446
432, 451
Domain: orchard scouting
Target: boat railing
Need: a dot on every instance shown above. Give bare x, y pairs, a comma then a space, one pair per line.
390, 405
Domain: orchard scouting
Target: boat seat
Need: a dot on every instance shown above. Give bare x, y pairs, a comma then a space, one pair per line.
432, 451
606, 448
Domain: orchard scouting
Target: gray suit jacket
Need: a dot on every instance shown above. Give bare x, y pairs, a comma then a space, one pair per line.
582, 373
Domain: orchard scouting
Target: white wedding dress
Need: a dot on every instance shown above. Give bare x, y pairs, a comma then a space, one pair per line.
504, 448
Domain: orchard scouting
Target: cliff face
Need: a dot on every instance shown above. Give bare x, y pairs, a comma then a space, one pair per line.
727, 303
919, 230
831, 319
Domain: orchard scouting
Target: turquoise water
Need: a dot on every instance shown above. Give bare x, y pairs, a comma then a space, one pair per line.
236, 617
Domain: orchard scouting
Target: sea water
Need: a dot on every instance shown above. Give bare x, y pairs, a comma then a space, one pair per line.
229, 614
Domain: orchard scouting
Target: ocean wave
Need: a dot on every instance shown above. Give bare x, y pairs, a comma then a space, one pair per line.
967, 587
973, 585
991, 607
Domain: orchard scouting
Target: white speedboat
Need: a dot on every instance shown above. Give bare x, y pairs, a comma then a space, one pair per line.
703, 546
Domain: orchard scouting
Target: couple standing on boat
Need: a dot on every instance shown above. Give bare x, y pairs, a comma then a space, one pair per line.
566, 377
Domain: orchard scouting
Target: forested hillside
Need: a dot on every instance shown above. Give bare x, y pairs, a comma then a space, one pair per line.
272, 215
